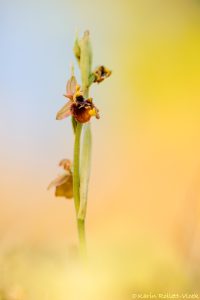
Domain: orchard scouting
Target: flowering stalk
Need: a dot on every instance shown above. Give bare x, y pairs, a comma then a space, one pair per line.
76, 188
85, 61
74, 182
76, 178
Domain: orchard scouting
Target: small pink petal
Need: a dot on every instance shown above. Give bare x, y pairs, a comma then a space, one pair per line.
71, 86
64, 112
68, 96
58, 181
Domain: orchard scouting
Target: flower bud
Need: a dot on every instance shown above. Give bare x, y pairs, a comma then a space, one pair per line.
85, 59
77, 50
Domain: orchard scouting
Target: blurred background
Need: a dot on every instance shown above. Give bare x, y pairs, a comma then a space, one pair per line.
143, 218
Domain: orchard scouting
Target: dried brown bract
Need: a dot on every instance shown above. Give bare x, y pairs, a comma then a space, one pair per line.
101, 73
63, 183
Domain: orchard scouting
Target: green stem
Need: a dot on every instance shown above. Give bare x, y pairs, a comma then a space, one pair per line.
76, 190
82, 240
76, 178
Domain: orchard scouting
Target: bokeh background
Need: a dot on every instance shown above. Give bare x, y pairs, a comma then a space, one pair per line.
143, 220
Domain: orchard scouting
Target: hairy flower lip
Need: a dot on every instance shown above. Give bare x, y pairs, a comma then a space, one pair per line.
82, 111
